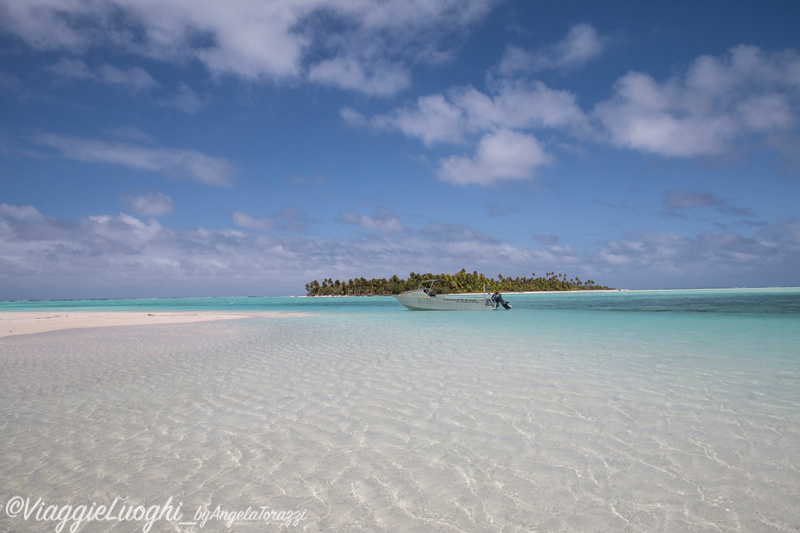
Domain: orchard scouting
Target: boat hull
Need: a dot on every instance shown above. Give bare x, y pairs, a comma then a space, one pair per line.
419, 301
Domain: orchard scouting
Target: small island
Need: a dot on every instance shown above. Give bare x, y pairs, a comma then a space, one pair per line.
458, 283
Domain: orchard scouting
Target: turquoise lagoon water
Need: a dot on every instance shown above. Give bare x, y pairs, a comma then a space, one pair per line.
623, 411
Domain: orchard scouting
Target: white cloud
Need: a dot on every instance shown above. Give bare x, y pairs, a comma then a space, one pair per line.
349, 73
396, 32
238, 37
503, 150
384, 221
466, 111
646, 116
43, 25
26, 225
20, 212
433, 120
521, 105
502, 155
253, 40
359, 45
581, 45
718, 102
153, 204
291, 220
173, 163
245, 221
123, 234
663, 251
352, 117
766, 112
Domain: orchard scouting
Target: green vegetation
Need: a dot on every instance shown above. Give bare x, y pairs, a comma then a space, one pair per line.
461, 282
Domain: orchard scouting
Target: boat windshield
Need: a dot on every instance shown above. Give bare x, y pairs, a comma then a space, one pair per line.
429, 286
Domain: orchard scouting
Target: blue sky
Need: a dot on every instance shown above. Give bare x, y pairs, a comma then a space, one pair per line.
189, 148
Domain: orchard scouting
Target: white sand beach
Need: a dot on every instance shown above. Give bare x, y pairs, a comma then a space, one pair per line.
30, 322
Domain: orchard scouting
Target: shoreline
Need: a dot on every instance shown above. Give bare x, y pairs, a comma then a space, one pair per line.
13, 323
578, 291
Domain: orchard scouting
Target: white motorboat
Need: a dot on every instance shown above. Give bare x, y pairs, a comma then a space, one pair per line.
424, 298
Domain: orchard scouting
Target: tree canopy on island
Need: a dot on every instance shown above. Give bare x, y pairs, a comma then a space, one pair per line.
458, 283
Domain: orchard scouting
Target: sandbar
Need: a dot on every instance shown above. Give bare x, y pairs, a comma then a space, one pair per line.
31, 322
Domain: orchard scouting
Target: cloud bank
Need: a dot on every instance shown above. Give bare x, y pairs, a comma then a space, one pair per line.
109, 255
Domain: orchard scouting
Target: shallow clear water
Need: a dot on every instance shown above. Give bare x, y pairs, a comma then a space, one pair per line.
642, 411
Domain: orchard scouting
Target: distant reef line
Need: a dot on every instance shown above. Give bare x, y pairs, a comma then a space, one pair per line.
459, 283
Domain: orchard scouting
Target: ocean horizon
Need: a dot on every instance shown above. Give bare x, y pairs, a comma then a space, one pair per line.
658, 410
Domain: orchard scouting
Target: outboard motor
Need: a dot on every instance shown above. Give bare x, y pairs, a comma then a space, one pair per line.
497, 298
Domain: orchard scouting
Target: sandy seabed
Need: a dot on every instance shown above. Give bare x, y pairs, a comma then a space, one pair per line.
405, 422
30, 322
